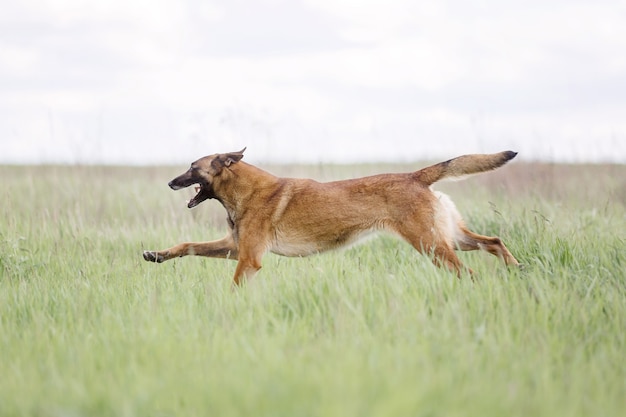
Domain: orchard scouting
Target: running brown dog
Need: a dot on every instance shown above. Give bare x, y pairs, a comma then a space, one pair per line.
300, 217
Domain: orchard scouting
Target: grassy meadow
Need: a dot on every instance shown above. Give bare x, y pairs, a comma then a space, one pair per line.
88, 328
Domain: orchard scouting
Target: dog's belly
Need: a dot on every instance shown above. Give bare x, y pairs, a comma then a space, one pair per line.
292, 245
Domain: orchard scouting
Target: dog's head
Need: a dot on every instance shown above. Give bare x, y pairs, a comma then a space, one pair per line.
203, 172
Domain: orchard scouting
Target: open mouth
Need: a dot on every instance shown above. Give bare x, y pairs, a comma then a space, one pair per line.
202, 193
203, 189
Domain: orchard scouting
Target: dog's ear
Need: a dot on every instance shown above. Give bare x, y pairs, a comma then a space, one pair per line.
226, 160
232, 157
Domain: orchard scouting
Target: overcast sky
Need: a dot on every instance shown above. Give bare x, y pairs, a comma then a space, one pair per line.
128, 81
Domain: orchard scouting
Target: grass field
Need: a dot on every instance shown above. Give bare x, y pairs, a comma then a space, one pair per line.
87, 328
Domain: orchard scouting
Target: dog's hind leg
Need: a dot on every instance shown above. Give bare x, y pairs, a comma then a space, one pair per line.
441, 251
225, 248
443, 255
468, 240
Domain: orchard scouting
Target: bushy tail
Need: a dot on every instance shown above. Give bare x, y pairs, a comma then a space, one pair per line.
463, 165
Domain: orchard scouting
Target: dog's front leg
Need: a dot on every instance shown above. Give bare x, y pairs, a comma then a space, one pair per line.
225, 248
250, 256
246, 269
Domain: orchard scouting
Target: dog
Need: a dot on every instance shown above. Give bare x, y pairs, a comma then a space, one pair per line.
300, 217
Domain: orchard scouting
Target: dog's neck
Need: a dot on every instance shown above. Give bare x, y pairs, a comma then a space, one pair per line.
235, 195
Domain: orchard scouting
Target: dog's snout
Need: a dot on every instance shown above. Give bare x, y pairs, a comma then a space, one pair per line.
177, 184
182, 181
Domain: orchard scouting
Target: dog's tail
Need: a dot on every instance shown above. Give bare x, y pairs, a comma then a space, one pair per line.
463, 166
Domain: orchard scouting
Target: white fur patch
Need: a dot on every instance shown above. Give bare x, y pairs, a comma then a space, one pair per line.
447, 218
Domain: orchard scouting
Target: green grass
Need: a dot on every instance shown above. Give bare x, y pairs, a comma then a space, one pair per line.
87, 328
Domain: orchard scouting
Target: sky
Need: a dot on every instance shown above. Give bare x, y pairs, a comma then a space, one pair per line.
168, 81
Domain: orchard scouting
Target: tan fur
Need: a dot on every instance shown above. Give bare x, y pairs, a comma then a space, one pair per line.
300, 217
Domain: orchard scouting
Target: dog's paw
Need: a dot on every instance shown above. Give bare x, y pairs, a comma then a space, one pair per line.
152, 256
